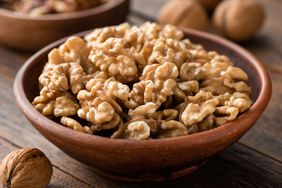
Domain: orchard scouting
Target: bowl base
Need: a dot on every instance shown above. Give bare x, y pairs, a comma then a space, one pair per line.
152, 177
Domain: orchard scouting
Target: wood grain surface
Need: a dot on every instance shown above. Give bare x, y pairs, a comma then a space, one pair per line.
254, 161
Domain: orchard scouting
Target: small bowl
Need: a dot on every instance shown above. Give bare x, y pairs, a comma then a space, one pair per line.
148, 160
28, 33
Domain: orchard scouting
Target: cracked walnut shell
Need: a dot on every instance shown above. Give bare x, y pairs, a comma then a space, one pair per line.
27, 167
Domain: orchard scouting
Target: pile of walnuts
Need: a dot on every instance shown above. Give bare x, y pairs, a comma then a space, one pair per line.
40, 7
140, 83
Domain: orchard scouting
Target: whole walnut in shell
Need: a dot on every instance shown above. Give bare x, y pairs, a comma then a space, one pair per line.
188, 14
238, 20
25, 168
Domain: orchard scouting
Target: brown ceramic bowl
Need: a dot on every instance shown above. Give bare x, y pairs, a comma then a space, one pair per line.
32, 33
149, 160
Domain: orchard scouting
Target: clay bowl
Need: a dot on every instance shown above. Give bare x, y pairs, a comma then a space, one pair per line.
149, 160
32, 33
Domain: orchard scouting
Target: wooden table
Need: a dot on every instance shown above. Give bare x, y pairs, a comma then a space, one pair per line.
254, 161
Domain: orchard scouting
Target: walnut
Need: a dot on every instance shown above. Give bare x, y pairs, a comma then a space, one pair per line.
198, 52
117, 90
154, 31
171, 129
113, 123
148, 108
68, 6
26, 6
59, 104
169, 50
226, 114
167, 115
189, 14
138, 130
40, 7
74, 50
214, 67
112, 57
99, 112
63, 77
55, 83
76, 126
98, 103
189, 71
184, 89
240, 100
219, 76
207, 123
215, 85
235, 78
141, 129
198, 107
222, 98
238, 20
27, 167
120, 132
157, 83
100, 35
193, 129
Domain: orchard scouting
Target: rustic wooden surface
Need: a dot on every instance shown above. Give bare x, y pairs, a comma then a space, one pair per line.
254, 161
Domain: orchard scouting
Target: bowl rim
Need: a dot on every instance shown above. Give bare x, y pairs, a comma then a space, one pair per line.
63, 16
198, 138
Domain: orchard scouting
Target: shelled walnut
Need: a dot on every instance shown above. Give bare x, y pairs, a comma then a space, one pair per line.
40, 7
140, 82
27, 167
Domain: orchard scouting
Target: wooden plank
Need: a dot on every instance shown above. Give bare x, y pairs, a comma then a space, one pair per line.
236, 167
59, 178
266, 134
239, 167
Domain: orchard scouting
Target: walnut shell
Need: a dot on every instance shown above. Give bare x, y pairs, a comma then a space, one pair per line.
188, 14
238, 20
25, 168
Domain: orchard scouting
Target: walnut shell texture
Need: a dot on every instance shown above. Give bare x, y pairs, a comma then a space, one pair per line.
25, 168
238, 20
188, 14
